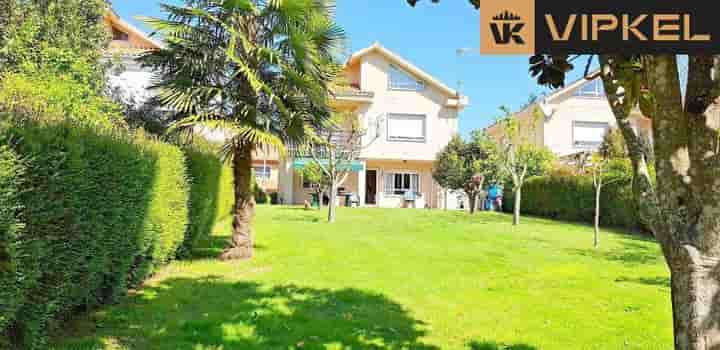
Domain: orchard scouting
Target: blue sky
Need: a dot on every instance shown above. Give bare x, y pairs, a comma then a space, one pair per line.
429, 36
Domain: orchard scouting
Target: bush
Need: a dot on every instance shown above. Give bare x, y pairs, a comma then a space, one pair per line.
57, 97
572, 198
274, 198
211, 193
91, 213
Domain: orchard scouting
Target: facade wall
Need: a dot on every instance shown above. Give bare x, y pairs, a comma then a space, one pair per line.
558, 131
441, 122
432, 193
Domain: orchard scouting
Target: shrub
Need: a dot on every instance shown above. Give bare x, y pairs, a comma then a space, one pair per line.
96, 212
572, 198
57, 97
211, 194
274, 198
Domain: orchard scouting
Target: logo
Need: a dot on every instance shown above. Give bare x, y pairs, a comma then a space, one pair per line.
617, 26
506, 27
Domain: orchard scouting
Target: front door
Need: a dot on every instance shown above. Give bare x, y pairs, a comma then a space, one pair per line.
371, 187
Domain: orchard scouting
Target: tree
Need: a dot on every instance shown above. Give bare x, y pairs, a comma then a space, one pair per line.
258, 70
314, 174
37, 34
681, 205
335, 146
604, 171
520, 157
466, 166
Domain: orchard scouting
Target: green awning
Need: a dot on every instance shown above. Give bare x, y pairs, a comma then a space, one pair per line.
354, 166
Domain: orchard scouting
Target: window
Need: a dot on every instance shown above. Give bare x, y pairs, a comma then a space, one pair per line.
400, 183
593, 89
262, 172
406, 127
119, 35
400, 80
589, 134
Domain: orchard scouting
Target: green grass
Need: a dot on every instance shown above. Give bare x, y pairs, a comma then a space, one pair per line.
399, 279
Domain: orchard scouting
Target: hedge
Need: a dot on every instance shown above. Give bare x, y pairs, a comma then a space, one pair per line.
572, 198
211, 195
89, 214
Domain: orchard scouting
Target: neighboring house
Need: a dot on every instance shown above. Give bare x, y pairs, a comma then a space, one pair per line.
127, 80
408, 117
571, 120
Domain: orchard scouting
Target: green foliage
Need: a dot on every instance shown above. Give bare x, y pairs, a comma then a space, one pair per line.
313, 173
460, 160
48, 96
613, 145
54, 35
564, 196
211, 192
99, 211
539, 160
276, 56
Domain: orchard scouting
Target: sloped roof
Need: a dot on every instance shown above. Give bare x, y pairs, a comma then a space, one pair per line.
148, 43
402, 63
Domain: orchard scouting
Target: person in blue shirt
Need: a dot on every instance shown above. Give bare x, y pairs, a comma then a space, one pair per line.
494, 198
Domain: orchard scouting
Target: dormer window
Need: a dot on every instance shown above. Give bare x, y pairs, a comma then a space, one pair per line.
593, 89
401, 80
119, 35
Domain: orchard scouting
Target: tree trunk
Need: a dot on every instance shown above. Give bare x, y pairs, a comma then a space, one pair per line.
472, 202
241, 244
332, 204
516, 206
695, 294
596, 237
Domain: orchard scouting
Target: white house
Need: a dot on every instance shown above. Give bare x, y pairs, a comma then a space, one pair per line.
571, 120
408, 115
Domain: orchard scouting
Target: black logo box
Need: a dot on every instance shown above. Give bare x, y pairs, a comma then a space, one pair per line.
704, 19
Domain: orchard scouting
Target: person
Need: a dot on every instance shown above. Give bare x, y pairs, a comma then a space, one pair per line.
494, 197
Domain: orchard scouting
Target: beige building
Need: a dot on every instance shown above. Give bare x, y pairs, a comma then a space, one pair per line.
571, 120
408, 117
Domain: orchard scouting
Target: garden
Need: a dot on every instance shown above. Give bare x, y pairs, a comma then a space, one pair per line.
397, 279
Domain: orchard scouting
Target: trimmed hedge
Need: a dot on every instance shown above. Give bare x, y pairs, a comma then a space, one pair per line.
90, 214
572, 198
211, 195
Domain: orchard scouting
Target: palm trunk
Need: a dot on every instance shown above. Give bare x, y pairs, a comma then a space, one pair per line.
241, 244
696, 315
516, 206
596, 237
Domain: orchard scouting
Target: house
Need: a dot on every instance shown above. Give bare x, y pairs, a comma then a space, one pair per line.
571, 120
408, 117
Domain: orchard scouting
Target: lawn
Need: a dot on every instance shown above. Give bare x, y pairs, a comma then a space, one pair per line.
399, 279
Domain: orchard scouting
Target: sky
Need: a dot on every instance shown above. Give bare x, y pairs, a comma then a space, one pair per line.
429, 37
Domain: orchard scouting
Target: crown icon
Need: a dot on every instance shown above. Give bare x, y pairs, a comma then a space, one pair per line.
506, 16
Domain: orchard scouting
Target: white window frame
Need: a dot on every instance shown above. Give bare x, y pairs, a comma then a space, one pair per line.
587, 144
399, 192
391, 138
418, 85
598, 93
266, 173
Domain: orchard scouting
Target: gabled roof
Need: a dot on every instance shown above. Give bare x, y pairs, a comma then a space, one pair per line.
148, 42
574, 85
402, 63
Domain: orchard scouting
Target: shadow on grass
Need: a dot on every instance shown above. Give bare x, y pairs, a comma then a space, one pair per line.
499, 346
187, 314
631, 253
659, 281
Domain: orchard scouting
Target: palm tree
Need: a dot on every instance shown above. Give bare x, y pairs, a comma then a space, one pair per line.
258, 69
